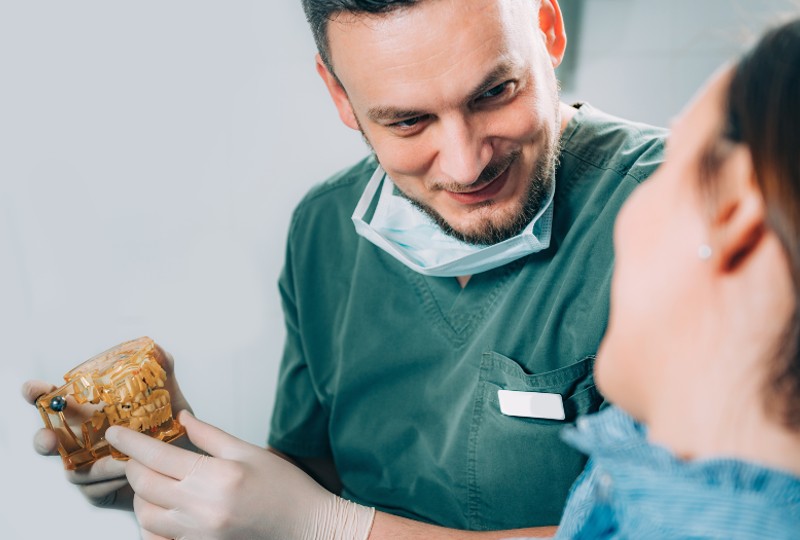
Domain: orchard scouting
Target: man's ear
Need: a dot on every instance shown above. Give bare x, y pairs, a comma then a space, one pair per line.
552, 26
738, 222
338, 94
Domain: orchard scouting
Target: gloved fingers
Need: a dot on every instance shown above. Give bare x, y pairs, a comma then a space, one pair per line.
109, 494
157, 521
102, 470
159, 456
74, 413
213, 440
152, 486
45, 442
34, 389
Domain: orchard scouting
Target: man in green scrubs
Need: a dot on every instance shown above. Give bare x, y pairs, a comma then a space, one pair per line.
393, 375
444, 298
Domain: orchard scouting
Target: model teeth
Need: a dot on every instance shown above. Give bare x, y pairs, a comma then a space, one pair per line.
97, 420
142, 422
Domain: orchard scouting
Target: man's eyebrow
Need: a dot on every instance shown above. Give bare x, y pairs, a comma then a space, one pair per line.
391, 114
500, 72
395, 114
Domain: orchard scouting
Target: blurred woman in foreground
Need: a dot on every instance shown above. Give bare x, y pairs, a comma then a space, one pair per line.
703, 342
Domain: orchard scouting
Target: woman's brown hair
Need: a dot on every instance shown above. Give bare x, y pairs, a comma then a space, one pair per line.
763, 113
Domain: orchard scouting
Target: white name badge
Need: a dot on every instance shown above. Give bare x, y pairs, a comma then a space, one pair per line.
531, 404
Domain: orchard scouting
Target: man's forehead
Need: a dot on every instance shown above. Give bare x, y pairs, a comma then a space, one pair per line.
428, 40
428, 17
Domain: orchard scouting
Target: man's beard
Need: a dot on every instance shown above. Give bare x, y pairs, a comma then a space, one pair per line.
540, 185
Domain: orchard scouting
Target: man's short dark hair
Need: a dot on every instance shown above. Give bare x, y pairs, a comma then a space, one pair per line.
320, 12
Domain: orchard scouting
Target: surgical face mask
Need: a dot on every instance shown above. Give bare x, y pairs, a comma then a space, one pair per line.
409, 235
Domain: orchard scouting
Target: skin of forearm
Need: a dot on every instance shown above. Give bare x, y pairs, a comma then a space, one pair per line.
390, 527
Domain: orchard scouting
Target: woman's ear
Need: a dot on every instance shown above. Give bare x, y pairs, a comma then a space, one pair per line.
738, 221
552, 26
338, 94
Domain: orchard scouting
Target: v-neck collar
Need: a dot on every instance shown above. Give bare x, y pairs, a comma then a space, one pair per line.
457, 311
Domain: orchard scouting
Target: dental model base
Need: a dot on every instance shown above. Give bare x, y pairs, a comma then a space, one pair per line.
122, 386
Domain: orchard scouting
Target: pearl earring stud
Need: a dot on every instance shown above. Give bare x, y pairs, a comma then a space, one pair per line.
704, 252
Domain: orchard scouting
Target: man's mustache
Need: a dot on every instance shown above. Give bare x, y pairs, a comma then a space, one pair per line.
488, 174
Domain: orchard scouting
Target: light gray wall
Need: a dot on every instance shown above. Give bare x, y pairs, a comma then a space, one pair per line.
644, 59
150, 156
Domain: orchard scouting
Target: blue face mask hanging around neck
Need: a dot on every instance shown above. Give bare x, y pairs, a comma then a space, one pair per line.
413, 238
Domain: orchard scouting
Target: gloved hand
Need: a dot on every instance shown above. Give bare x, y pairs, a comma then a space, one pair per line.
238, 491
103, 483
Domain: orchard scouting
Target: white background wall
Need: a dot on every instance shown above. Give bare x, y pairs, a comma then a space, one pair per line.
150, 155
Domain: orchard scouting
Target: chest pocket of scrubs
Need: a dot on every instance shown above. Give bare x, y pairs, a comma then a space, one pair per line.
519, 470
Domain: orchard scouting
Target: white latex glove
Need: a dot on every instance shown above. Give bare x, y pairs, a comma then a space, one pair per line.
240, 491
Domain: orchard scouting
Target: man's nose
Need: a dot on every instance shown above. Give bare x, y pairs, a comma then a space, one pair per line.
463, 151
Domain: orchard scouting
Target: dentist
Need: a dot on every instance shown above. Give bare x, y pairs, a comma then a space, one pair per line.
444, 298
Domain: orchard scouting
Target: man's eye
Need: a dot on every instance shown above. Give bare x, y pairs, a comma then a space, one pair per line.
410, 126
495, 91
408, 122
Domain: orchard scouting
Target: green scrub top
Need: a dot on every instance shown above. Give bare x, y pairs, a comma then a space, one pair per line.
395, 375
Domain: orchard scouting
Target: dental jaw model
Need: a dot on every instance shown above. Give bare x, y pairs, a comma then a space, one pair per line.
122, 386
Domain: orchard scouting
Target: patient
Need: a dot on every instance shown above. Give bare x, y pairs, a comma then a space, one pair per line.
703, 340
